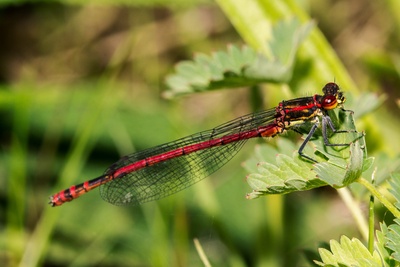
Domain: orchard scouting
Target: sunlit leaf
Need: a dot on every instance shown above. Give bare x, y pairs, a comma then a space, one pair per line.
395, 187
381, 248
348, 253
393, 239
240, 66
288, 175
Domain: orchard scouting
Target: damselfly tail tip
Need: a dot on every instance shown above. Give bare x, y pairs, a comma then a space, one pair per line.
51, 202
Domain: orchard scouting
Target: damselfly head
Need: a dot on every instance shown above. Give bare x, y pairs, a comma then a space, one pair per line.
332, 96
334, 89
331, 89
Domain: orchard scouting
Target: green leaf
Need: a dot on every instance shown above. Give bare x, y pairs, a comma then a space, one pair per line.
380, 246
393, 239
288, 175
286, 38
344, 164
348, 253
395, 187
240, 67
340, 172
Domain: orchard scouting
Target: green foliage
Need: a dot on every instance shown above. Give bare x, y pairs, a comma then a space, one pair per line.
241, 67
395, 187
383, 251
354, 253
288, 175
392, 236
348, 253
393, 239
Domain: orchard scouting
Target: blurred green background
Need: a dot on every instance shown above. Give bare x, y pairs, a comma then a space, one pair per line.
81, 85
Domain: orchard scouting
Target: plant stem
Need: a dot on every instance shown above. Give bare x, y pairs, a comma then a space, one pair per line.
374, 191
201, 253
355, 210
371, 224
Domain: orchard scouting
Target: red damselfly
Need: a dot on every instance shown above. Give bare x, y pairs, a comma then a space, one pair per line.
163, 170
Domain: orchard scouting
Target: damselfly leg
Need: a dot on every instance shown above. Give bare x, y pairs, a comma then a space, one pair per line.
325, 122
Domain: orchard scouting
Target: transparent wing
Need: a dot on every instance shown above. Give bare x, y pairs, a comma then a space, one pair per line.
168, 177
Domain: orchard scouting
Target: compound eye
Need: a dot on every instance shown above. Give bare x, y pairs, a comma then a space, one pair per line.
330, 89
329, 102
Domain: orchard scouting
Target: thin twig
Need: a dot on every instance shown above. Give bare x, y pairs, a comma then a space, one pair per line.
201, 253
